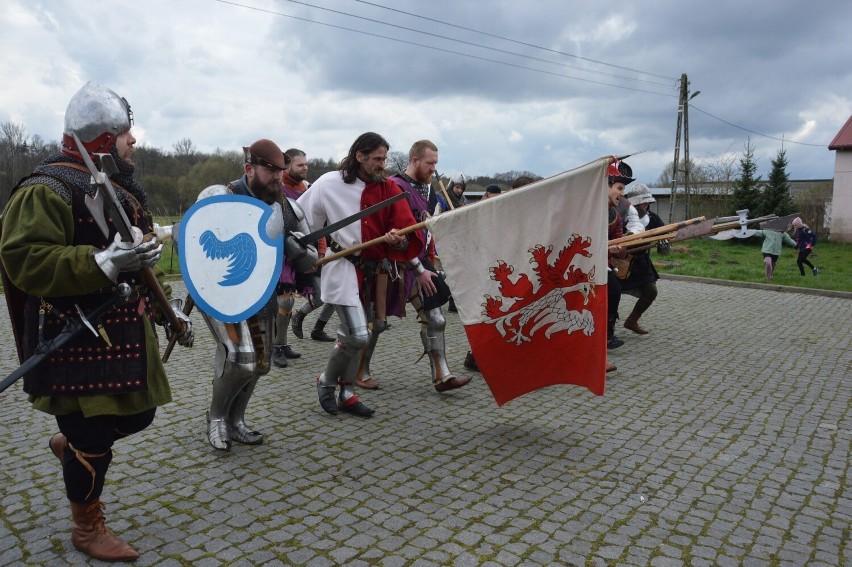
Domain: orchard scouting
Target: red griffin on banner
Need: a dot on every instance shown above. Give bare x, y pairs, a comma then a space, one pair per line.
527, 270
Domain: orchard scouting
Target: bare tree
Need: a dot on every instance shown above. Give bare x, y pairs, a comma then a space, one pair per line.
698, 173
14, 157
185, 151
397, 162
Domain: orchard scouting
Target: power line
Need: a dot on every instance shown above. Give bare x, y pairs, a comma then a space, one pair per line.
471, 56
516, 41
479, 45
503, 38
692, 106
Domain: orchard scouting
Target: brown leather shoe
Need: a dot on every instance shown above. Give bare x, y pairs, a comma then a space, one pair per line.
368, 384
610, 367
90, 535
452, 383
632, 324
57, 444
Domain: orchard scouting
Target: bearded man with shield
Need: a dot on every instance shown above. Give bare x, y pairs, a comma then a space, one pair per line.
244, 346
77, 252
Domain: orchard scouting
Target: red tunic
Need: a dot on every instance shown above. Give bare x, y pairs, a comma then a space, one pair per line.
397, 215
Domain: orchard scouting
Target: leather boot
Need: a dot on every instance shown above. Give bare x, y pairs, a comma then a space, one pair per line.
90, 535
632, 323
318, 333
642, 305
296, 322
611, 340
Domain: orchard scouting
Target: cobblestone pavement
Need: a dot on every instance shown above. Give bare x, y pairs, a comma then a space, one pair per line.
723, 439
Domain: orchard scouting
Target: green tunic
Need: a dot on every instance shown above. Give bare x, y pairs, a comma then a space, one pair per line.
773, 241
36, 249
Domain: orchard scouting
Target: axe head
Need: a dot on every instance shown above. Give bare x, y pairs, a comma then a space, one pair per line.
96, 208
781, 224
695, 230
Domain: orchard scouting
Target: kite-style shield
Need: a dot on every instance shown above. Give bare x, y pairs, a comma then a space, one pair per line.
229, 263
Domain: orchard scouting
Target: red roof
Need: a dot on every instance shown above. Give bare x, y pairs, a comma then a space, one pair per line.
843, 139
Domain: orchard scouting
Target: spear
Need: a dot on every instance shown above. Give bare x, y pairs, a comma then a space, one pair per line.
368, 244
627, 240
444, 191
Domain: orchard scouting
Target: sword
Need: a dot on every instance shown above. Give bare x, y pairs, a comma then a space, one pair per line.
313, 237
125, 228
123, 294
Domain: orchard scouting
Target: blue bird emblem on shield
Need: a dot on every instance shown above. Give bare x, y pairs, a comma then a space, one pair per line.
228, 261
240, 251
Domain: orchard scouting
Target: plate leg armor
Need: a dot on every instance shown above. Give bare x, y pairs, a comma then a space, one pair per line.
237, 369
282, 321
237, 428
432, 324
364, 373
342, 367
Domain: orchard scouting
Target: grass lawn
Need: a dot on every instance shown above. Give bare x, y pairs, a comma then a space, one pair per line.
742, 260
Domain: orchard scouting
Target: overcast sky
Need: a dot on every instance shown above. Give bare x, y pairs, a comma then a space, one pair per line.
498, 85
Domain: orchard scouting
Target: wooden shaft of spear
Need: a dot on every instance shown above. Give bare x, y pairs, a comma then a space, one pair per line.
736, 224
444, 191
626, 240
648, 240
369, 243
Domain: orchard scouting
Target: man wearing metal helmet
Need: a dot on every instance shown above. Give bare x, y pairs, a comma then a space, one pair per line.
58, 264
244, 350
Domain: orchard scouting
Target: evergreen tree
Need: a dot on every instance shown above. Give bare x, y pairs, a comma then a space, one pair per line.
776, 197
747, 187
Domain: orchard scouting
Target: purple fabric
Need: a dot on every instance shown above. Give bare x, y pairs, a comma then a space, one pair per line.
395, 308
419, 208
288, 274
292, 193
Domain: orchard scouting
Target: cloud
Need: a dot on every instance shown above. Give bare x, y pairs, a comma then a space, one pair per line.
547, 86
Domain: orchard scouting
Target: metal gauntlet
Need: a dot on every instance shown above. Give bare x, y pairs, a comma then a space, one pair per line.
122, 256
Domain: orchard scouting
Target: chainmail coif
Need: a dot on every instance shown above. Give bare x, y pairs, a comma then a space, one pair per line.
77, 178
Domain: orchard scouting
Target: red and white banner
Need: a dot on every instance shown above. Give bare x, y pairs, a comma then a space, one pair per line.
528, 271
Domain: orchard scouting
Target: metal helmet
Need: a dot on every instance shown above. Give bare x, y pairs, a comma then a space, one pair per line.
98, 116
458, 179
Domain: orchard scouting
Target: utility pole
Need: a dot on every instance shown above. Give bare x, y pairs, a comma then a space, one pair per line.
682, 134
681, 103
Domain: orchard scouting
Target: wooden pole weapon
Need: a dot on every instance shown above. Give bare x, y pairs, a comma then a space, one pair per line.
626, 240
649, 240
444, 191
368, 244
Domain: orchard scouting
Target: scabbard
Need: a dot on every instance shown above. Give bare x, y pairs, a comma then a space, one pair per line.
71, 329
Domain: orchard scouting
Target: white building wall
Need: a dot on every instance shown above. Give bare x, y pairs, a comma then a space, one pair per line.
841, 202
